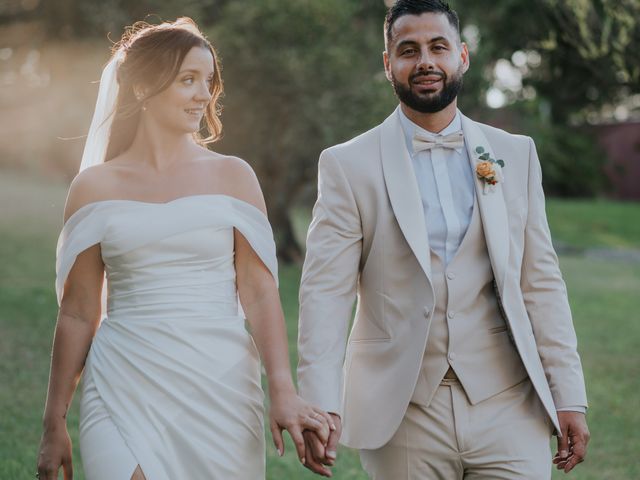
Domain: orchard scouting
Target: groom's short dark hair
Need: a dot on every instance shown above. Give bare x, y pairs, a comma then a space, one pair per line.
418, 7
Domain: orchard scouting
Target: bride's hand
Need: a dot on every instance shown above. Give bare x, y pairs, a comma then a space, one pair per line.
55, 452
290, 412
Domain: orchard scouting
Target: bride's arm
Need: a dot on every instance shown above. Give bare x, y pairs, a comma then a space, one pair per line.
261, 303
78, 319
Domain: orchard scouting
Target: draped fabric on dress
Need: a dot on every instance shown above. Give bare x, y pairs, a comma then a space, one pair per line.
171, 368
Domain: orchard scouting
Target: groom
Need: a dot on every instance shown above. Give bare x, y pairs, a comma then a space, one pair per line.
461, 361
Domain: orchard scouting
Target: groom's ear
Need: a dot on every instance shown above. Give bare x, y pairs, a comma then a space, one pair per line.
464, 56
387, 67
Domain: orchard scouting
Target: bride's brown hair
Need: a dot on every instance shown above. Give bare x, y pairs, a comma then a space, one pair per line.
152, 57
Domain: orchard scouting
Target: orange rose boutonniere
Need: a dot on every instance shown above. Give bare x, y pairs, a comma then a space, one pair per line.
489, 170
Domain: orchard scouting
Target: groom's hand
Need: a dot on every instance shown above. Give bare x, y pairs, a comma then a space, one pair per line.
572, 446
319, 456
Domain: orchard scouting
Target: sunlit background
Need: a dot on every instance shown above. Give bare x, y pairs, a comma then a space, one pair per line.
301, 75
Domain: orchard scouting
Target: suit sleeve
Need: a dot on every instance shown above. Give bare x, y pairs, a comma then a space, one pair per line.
328, 287
545, 298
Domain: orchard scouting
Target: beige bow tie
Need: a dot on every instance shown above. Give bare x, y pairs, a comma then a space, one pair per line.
425, 141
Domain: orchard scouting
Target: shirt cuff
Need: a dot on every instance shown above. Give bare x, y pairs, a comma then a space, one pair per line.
572, 408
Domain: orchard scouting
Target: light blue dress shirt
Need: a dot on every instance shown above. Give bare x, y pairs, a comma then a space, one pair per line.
447, 189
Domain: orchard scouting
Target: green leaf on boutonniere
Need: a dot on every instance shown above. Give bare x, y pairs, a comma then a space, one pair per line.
485, 156
500, 162
479, 150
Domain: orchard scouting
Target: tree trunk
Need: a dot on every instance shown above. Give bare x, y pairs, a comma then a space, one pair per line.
287, 246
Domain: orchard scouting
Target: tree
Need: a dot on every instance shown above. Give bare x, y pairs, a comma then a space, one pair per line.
299, 75
588, 48
90, 18
585, 57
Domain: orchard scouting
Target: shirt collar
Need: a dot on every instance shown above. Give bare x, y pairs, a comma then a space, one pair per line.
409, 129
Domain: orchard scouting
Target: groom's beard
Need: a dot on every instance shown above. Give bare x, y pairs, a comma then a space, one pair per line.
430, 102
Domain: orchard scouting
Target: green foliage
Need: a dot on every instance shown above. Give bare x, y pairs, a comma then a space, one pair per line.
90, 18
300, 75
571, 161
587, 48
587, 60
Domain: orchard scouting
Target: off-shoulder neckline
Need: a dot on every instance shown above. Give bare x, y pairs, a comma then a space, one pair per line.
168, 202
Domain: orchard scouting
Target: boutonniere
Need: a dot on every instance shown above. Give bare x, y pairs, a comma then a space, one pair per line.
488, 169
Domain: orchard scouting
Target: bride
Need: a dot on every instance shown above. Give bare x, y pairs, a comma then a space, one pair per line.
171, 383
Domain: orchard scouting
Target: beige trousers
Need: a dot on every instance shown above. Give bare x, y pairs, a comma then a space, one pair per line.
504, 437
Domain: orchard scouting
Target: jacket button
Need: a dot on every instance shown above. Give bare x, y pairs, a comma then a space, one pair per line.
451, 275
452, 356
427, 311
451, 314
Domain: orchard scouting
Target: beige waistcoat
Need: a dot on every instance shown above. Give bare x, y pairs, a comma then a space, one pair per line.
468, 332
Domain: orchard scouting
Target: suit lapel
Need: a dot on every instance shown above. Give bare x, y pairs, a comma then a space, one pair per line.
493, 211
402, 188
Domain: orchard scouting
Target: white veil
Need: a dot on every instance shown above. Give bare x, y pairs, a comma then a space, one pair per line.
95, 148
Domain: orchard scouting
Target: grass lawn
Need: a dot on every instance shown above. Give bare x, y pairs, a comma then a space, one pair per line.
589, 224
604, 298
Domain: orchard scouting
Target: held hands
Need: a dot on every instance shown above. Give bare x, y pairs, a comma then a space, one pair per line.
290, 412
572, 446
320, 455
55, 452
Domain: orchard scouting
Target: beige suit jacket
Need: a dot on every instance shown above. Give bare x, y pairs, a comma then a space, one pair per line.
368, 240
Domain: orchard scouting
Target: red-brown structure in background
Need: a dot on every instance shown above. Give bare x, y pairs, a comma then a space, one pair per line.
621, 143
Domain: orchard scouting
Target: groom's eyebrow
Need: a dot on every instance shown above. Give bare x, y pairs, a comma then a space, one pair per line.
438, 40
405, 43
410, 42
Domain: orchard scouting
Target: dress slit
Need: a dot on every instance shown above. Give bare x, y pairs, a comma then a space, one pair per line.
138, 467
105, 454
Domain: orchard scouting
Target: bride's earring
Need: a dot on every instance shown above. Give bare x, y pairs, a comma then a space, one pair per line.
139, 98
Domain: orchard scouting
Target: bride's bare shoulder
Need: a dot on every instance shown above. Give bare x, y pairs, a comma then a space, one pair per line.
227, 164
237, 178
91, 185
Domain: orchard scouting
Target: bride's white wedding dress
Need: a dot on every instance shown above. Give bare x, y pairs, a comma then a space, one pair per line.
172, 380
